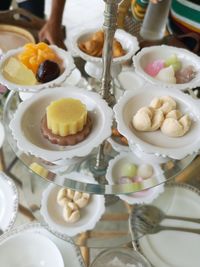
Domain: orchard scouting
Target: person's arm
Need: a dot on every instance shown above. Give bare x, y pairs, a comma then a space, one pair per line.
51, 31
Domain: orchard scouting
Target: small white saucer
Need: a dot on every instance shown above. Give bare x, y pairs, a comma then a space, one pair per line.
8, 202
68, 66
70, 253
154, 184
52, 212
129, 80
25, 124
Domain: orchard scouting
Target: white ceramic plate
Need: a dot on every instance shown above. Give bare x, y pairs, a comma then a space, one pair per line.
128, 42
114, 173
52, 212
70, 253
8, 202
149, 54
30, 249
68, 66
175, 249
156, 142
25, 125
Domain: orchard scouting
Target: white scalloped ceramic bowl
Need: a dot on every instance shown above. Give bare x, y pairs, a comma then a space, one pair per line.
128, 42
156, 142
149, 54
52, 212
114, 173
30, 249
67, 66
25, 124
94, 64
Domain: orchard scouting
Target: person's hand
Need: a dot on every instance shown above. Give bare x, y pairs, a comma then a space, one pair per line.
52, 34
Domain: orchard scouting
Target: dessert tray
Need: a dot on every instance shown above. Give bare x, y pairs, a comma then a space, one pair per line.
156, 142
166, 248
67, 66
8, 202
52, 212
128, 169
70, 254
149, 55
25, 125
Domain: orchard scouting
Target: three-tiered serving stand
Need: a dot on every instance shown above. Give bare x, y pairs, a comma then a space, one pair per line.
95, 163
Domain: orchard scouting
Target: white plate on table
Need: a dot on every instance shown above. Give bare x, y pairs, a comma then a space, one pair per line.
175, 249
52, 212
25, 124
8, 202
70, 253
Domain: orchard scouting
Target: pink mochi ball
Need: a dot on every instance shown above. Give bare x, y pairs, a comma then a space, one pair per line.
153, 68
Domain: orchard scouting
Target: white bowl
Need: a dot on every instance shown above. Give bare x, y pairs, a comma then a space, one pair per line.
149, 54
30, 250
156, 142
94, 66
68, 66
25, 124
52, 212
113, 174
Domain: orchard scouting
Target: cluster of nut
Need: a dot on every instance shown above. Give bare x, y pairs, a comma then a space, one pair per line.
162, 113
72, 202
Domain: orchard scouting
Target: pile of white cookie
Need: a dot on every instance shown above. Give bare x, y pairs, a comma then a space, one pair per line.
163, 114
72, 202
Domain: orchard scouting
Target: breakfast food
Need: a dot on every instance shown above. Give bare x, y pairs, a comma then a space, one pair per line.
66, 122
148, 119
16, 72
163, 103
176, 127
72, 203
170, 70
47, 71
162, 114
36, 63
94, 45
132, 173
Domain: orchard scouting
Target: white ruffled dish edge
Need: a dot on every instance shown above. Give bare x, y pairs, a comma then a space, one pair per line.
68, 64
180, 52
134, 141
155, 184
93, 215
